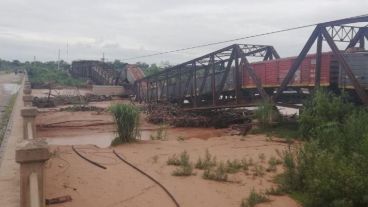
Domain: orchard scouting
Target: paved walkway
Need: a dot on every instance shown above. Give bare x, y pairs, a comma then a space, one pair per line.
9, 169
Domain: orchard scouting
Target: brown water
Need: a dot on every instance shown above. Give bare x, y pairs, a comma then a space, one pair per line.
102, 140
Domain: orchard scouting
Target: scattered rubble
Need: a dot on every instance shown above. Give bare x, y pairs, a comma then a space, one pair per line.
53, 101
175, 116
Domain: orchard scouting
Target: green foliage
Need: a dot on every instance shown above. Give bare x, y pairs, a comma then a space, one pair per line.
207, 162
185, 167
161, 133
217, 174
6, 116
254, 198
272, 163
331, 168
126, 118
45, 73
235, 166
323, 110
283, 129
267, 114
183, 170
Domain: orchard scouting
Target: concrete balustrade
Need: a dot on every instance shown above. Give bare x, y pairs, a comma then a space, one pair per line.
32, 155
29, 126
27, 99
27, 90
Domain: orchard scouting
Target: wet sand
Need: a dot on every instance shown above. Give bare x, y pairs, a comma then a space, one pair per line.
121, 185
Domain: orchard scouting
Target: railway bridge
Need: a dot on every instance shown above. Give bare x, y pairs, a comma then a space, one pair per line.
227, 78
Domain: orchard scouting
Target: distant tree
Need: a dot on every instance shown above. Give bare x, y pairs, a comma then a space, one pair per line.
152, 69
142, 65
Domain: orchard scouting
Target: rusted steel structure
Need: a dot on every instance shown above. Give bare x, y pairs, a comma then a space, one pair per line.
102, 73
211, 80
332, 32
226, 78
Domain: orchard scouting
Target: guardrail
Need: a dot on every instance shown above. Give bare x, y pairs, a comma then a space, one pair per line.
31, 154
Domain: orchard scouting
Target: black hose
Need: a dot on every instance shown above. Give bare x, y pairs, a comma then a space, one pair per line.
150, 177
88, 160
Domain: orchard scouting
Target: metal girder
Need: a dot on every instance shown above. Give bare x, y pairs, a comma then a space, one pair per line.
203, 68
253, 75
294, 67
359, 37
331, 31
318, 61
359, 89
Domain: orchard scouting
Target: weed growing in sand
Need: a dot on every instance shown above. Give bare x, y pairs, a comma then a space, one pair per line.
275, 191
185, 168
262, 157
235, 166
218, 174
254, 198
127, 121
161, 133
180, 138
258, 170
155, 159
207, 162
6, 116
272, 163
173, 160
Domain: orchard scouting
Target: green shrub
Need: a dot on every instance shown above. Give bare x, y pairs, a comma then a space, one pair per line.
208, 161
254, 198
331, 168
126, 118
218, 174
235, 166
267, 114
161, 133
177, 161
185, 167
183, 170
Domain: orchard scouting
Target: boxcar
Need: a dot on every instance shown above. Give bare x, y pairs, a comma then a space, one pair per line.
271, 73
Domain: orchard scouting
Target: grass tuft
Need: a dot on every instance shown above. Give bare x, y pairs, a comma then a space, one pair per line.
218, 174
254, 198
207, 162
127, 121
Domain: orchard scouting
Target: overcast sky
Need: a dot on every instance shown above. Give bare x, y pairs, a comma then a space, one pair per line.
122, 29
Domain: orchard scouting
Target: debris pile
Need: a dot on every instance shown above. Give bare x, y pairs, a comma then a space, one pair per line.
58, 100
175, 116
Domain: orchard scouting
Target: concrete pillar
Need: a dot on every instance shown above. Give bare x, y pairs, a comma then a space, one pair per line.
29, 115
27, 99
27, 90
32, 155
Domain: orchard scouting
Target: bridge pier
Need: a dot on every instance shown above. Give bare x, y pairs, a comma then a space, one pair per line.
32, 155
29, 126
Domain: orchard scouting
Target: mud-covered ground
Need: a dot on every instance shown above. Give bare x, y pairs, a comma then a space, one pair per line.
121, 185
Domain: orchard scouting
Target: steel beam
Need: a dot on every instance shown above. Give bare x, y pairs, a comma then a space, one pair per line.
294, 67
358, 88
244, 62
317, 75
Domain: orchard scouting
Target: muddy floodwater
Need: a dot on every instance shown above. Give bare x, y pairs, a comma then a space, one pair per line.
9, 85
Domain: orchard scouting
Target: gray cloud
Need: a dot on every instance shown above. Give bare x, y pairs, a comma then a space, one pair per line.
123, 29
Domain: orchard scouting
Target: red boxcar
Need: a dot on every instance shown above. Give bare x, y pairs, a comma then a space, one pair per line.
272, 72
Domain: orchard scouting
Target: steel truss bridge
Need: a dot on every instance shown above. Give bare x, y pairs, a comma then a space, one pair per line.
215, 79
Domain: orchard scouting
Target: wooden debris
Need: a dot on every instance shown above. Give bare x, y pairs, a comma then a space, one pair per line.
57, 200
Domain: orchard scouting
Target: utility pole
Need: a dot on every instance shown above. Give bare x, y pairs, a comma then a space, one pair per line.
67, 51
59, 60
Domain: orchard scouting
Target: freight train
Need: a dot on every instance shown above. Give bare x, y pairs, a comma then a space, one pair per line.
272, 72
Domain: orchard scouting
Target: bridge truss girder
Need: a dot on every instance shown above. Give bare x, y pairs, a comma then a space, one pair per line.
332, 32
210, 78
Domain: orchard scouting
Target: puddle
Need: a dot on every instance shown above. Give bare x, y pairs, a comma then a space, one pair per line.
101, 140
10, 88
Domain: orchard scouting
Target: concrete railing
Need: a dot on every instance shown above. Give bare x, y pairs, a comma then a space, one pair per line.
31, 154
